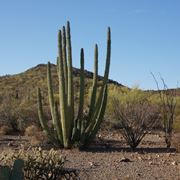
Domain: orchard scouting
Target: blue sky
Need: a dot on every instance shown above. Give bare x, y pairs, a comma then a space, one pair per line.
145, 36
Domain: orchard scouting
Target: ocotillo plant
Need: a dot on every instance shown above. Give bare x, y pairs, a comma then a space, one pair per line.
168, 106
68, 129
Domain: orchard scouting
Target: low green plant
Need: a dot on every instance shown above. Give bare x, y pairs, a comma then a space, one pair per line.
39, 164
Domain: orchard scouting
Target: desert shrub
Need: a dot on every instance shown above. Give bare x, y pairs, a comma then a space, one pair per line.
40, 164
4, 130
9, 117
31, 130
176, 124
9, 114
18, 115
136, 116
36, 135
114, 92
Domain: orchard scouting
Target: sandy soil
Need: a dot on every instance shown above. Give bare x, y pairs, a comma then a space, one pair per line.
109, 158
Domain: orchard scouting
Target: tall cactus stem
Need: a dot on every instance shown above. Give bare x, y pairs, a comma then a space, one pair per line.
100, 117
43, 122
94, 88
70, 94
108, 57
81, 94
99, 102
62, 97
65, 59
50, 91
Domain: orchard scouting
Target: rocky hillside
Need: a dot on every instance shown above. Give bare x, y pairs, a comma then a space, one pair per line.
24, 85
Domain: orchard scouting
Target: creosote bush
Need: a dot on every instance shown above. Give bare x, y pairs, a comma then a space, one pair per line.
136, 116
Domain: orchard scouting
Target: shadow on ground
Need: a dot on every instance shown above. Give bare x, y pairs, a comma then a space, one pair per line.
116, 146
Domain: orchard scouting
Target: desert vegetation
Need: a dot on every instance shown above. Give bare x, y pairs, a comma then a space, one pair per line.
168, 106
136, 115
81, 111
34, 164
68, 129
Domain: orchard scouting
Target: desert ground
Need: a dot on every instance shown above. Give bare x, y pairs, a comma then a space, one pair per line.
109, 157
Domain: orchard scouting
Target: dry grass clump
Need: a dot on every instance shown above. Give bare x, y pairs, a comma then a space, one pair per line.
35, 135
5, 130
31, 130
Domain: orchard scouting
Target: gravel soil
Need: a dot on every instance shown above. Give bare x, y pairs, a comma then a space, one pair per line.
109, 158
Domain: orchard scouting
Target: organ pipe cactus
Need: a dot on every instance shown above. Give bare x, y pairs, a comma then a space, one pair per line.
68, 129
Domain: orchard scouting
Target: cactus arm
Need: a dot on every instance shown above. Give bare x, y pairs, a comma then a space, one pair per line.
70, 95
94, 89
5, 172
50, 91
17, 171
65, 60
62, 98
108, 57
79, 124
105, 81
53, 105
99, 117
41, 117
15, 174
57, 65
81, 95
97, 109
58, 125
106, 73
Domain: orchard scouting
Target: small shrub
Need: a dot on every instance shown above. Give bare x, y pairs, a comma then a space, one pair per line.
4, 130
38, 139
36, 135
31, 130
136, 116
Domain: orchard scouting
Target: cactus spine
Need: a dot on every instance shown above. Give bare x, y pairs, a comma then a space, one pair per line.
68, 129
